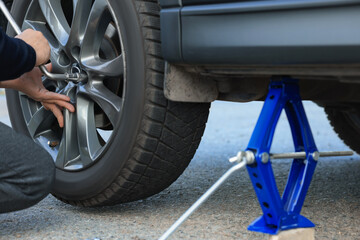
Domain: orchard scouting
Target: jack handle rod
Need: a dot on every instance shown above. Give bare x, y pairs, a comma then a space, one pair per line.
302, 155
202, 199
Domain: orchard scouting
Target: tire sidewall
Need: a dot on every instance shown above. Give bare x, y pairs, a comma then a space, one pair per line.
90, 182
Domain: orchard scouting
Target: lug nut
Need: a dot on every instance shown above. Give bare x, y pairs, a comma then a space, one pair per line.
53, 144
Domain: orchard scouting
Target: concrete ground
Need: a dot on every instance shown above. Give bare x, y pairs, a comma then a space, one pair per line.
332, 202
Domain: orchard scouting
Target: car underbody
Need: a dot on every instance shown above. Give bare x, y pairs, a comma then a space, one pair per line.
236, 47
326, 84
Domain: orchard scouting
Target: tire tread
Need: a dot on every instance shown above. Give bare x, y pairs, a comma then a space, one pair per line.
344, 127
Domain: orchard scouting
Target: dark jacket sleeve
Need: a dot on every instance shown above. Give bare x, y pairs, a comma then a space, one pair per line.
16, 57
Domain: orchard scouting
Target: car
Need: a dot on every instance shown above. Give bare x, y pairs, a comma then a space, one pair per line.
154, 67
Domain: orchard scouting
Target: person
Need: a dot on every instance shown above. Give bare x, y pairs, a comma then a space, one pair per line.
27, 171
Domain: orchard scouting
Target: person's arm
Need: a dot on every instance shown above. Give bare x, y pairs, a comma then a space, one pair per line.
31, 84
16, 57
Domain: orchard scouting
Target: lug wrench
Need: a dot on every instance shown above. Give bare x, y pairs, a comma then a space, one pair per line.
75, 77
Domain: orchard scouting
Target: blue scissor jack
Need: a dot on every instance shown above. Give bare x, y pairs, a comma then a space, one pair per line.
282, 213
279, 213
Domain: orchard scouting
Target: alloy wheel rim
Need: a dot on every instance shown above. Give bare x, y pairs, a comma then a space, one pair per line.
83, 35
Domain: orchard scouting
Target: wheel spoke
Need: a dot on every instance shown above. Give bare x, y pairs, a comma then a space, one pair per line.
56, 20
54, 45
111, 68
74, 5
89, 144
41, 26
68, 150
95, 29
109, 102
69, 147
82, 10
40, 121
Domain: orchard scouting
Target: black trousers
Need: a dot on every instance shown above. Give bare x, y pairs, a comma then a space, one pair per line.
26, 171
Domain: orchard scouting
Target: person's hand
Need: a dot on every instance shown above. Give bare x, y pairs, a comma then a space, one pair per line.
31, 84
41, 46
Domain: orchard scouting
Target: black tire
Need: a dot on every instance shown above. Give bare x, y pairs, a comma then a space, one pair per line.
156, 138
346, 123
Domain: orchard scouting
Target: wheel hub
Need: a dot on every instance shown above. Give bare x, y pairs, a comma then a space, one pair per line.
75, 68
76, 74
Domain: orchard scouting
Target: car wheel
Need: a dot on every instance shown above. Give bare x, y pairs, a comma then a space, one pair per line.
125, 141
346, 123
